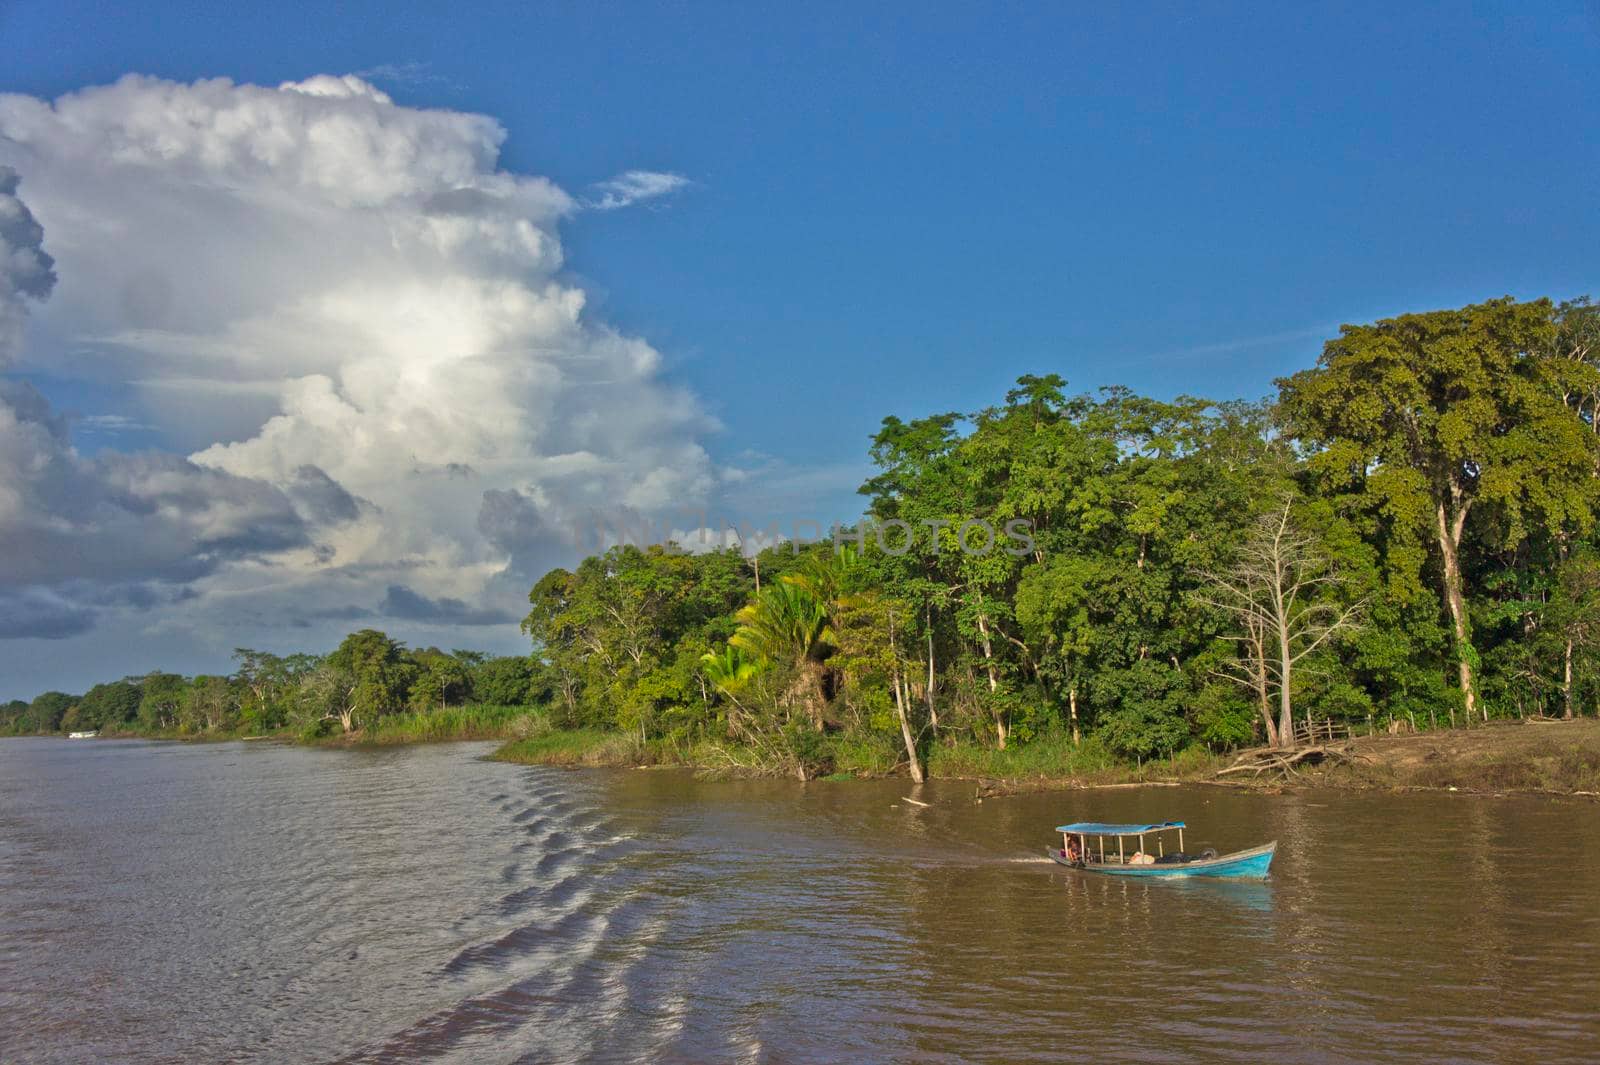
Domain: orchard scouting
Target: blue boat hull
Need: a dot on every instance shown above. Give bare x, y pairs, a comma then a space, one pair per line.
1240, 865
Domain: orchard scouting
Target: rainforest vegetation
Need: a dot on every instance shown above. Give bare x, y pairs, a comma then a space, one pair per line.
1402, 537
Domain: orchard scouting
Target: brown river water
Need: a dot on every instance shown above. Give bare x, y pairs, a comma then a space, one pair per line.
258, 902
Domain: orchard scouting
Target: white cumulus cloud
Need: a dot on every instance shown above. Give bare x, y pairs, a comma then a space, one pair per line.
359, 324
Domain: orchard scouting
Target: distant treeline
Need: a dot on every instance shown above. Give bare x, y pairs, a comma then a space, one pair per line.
1404, 535
367, 677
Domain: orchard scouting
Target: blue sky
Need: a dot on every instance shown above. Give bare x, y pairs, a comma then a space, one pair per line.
899, 210
913, 206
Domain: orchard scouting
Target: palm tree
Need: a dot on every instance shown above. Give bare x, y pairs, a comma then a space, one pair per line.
830, 578
730, 673
786, 623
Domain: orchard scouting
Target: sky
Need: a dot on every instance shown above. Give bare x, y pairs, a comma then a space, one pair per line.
348, 318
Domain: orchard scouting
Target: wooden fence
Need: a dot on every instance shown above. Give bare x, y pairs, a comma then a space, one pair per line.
1309, 732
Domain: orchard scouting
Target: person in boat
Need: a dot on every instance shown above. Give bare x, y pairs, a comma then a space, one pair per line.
1074, 851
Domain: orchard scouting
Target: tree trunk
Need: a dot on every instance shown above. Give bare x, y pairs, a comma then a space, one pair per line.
901, 701
1566, 682
1449, 541
811, 696
905, 731
1264, 699
994, 684
1072, 707
1285, 665
933, 714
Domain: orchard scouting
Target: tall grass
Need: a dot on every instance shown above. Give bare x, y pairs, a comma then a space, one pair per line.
454, 723
1054, 756
585, 747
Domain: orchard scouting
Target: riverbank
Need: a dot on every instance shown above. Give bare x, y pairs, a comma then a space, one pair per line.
1539, 756
1546, 757
1049, 761
445, 725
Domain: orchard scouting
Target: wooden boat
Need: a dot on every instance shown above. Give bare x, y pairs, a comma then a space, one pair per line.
1076, 852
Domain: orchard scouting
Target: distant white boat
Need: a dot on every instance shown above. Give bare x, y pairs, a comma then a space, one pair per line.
82, 735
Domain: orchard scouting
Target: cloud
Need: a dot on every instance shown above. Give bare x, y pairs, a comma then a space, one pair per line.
42, 615
634, 186
320, 498
361, 327
411, 73
26, 271
402, 602
112, 423
122, 516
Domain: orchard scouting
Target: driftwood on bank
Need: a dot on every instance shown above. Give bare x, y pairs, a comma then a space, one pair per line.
1260, 760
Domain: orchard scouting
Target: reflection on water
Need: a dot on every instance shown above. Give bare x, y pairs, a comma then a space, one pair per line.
253, 902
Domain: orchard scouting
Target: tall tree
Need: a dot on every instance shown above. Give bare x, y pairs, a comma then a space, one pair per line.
379, 673
1441, 415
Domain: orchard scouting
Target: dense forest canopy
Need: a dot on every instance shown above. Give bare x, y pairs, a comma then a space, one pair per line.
1404, 534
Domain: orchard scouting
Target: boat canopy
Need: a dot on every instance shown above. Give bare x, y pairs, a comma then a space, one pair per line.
1095, 828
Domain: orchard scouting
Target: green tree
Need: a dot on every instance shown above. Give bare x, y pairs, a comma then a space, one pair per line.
379, 673
1442, 416
1573, 615
47, 711
108, 706
787, 623
161, 697
438, 680
512, 680
209, 704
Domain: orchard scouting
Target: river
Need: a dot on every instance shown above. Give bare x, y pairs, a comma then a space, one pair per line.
260, 902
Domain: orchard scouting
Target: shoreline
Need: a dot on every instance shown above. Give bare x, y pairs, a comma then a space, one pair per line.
1541, 757
1545, 757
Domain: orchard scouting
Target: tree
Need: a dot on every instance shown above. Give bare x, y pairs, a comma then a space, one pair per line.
1574, 614
437, 680
326, 693
730, 672
208, 704
1282, 594
109, 705
379, 673
787, 623
266, 681
161, 697
869, 631
47, 710
506, 681
1442, 416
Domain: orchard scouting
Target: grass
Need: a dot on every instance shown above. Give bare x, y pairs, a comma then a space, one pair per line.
863, 756
1055, 756
573, 747
1046, 756
449, 723
1047, 760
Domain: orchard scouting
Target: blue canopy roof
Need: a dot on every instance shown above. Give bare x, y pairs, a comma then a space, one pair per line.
1095, 828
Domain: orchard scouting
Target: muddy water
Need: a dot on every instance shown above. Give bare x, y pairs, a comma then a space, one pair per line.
252, 902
